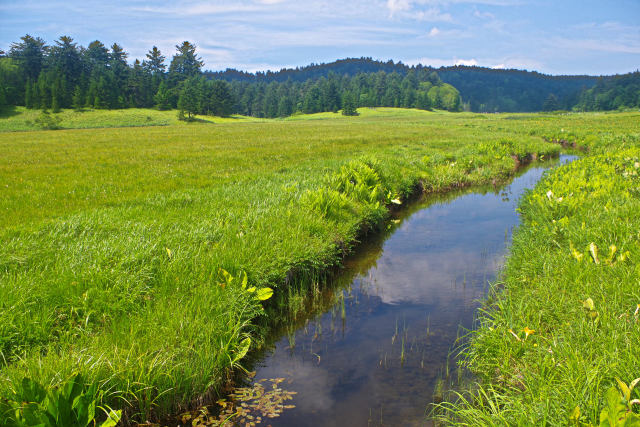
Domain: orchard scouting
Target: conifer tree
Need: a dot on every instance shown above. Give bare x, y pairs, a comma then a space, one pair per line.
154, 63
161, 97
78, 98
28, 98
349, 106
185, 63
55, 99
188, 100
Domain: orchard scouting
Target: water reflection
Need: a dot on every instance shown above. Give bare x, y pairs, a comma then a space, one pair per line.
376, 342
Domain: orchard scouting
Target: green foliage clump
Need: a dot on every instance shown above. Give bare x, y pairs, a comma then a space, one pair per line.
48, 121
70, 404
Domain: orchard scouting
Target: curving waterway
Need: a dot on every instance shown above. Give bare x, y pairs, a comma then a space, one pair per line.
375, 347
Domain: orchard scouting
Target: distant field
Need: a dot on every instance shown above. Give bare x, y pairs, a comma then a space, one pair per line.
21, 119
112, 239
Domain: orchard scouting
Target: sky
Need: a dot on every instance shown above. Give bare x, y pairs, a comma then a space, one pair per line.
596, 37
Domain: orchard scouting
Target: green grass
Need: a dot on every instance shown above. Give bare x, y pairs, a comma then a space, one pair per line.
22, 119
573, 277
113, 238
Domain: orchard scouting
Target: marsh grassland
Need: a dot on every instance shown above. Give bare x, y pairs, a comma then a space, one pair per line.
141, 257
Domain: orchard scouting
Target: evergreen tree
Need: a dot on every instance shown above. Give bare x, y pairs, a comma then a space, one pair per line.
331, 101
35, 98
11, 82
96, 56
154, 63
3, 99
28, 97
120, 73
285, 106
66, 61
312, 101
55, 96
188, 100
551, 103
349, 106
185, 63
161, 97
222, 98
30, 55
78, 98
44, 92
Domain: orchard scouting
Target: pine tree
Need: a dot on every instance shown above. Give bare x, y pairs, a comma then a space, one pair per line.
551, 103
349, 106
185, 63
30, 55
154, 63
161, 97
55, 104
188, 100
28, 97
78, 98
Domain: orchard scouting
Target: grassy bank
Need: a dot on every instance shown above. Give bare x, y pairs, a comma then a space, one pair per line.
115, 241
563, 324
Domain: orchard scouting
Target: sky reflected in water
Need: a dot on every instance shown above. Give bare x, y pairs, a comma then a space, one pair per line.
374, 357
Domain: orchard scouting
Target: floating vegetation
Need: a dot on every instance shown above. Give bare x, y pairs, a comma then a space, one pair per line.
246, 406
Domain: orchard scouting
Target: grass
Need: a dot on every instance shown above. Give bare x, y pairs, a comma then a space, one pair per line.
573, 278
23, 119
113, 239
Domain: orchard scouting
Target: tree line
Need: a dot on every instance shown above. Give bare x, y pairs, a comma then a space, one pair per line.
66, 75
621, 91
422, 90
482, 89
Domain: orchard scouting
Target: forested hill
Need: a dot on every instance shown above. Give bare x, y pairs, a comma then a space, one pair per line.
481, 89
64, 74
489, 90
613, 93
36, 75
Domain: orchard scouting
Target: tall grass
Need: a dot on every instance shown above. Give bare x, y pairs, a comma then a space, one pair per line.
113, 240
563, 325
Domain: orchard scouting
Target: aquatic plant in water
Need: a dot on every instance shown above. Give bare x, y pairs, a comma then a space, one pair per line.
247, 406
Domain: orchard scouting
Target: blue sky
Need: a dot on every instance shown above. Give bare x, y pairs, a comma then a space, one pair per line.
551, 36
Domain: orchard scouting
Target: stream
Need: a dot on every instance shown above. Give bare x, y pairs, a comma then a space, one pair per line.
376, 347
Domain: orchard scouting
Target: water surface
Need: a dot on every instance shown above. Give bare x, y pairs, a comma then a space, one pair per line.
376, 344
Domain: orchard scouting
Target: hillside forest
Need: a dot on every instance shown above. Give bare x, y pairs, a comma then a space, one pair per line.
37, 75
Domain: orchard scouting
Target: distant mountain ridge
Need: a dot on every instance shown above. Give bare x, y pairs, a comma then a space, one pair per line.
481, 88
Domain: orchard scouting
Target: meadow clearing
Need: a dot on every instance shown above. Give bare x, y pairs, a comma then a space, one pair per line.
141, 257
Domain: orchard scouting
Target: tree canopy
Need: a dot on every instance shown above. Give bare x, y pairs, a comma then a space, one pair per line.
66, 75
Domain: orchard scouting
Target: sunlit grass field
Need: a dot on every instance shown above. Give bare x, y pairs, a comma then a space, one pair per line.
23, 119
114, 241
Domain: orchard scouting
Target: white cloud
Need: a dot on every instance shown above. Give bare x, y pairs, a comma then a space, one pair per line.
468, 62
441, 62
398, 6
483, 15
434, 32
198, 9
520, 63
432, 14
495, 63
407, 9
598, 45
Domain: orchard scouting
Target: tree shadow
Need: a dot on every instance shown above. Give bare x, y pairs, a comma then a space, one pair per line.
9, 111
194, 119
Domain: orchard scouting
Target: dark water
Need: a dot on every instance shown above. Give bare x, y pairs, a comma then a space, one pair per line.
373, 348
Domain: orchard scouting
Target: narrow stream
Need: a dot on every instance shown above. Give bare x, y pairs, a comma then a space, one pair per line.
380, 341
